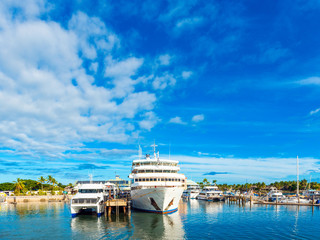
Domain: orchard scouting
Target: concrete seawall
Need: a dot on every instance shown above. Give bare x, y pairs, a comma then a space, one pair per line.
48, 198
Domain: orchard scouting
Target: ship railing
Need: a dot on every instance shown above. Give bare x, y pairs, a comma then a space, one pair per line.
85, 201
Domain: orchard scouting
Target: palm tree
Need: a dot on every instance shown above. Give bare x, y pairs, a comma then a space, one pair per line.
41, 180
54, 182
49, 179
19, 186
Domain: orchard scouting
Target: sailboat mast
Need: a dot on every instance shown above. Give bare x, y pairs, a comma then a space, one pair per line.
297, 175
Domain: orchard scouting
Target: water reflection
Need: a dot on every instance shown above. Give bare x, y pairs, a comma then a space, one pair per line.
53, 221
156, 226
211, 208
33, 208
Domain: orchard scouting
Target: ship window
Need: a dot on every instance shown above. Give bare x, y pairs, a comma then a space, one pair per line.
169, 179
143, 179
155, 179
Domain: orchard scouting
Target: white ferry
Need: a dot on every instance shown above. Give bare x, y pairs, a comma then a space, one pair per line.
192, 191
156, 184
90, 197
211, 193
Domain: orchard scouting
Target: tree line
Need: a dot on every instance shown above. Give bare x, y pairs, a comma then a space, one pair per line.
42, 185
289, 186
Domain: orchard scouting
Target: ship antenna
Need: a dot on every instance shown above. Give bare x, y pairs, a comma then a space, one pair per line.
140, 152
169, 150
90, 176
154, 150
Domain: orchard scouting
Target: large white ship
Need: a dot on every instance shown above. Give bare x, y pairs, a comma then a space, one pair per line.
156, 184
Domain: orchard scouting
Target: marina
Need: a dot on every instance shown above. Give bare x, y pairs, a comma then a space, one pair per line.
221, 220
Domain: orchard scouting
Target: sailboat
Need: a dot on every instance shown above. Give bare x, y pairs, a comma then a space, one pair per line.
296, 199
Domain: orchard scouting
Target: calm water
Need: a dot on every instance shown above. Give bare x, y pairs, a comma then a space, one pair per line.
195, 220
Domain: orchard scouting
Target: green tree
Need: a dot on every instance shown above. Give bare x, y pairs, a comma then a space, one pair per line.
49, 179
19, 186
7, 186
41, 180
54, 181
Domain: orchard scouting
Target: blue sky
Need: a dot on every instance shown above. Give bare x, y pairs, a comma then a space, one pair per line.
230, 87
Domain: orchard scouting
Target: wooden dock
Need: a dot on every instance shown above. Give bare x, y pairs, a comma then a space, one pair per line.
242, 200
117, 205
288, 204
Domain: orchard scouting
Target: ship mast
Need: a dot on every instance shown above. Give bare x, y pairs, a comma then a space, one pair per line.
154, 151
297, 176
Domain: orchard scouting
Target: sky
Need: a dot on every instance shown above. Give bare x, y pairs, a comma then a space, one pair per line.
228, 88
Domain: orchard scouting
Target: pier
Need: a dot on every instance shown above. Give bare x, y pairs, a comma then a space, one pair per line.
242, 200
116, 206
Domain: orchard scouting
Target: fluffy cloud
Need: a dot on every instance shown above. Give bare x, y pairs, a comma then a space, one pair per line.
50, 103
186, 74
250, 169
198, 118
164, 59
177, 120
160, 83
150, 120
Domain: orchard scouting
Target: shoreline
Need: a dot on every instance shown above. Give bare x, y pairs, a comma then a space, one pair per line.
44, 198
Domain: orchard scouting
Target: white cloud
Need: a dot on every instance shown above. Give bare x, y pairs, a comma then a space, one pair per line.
315, 111
186, 74
177, 120
92, 35
49, 103
198, 118
164, 81
189, 22
246, 169
150, 120
165, 59
309, 81
125, 68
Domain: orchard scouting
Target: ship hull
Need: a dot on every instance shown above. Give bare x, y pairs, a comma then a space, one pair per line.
161, 200
75, 209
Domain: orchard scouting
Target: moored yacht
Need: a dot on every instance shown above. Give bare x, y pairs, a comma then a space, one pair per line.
192, 191
211, 193
90, 197
275, 195
311, 193
156, 184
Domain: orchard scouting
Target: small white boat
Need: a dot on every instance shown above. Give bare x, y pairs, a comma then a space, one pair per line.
275, 195
211, 193
90, 198
294, 200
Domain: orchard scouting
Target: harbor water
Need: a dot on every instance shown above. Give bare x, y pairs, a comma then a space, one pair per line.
195, 219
